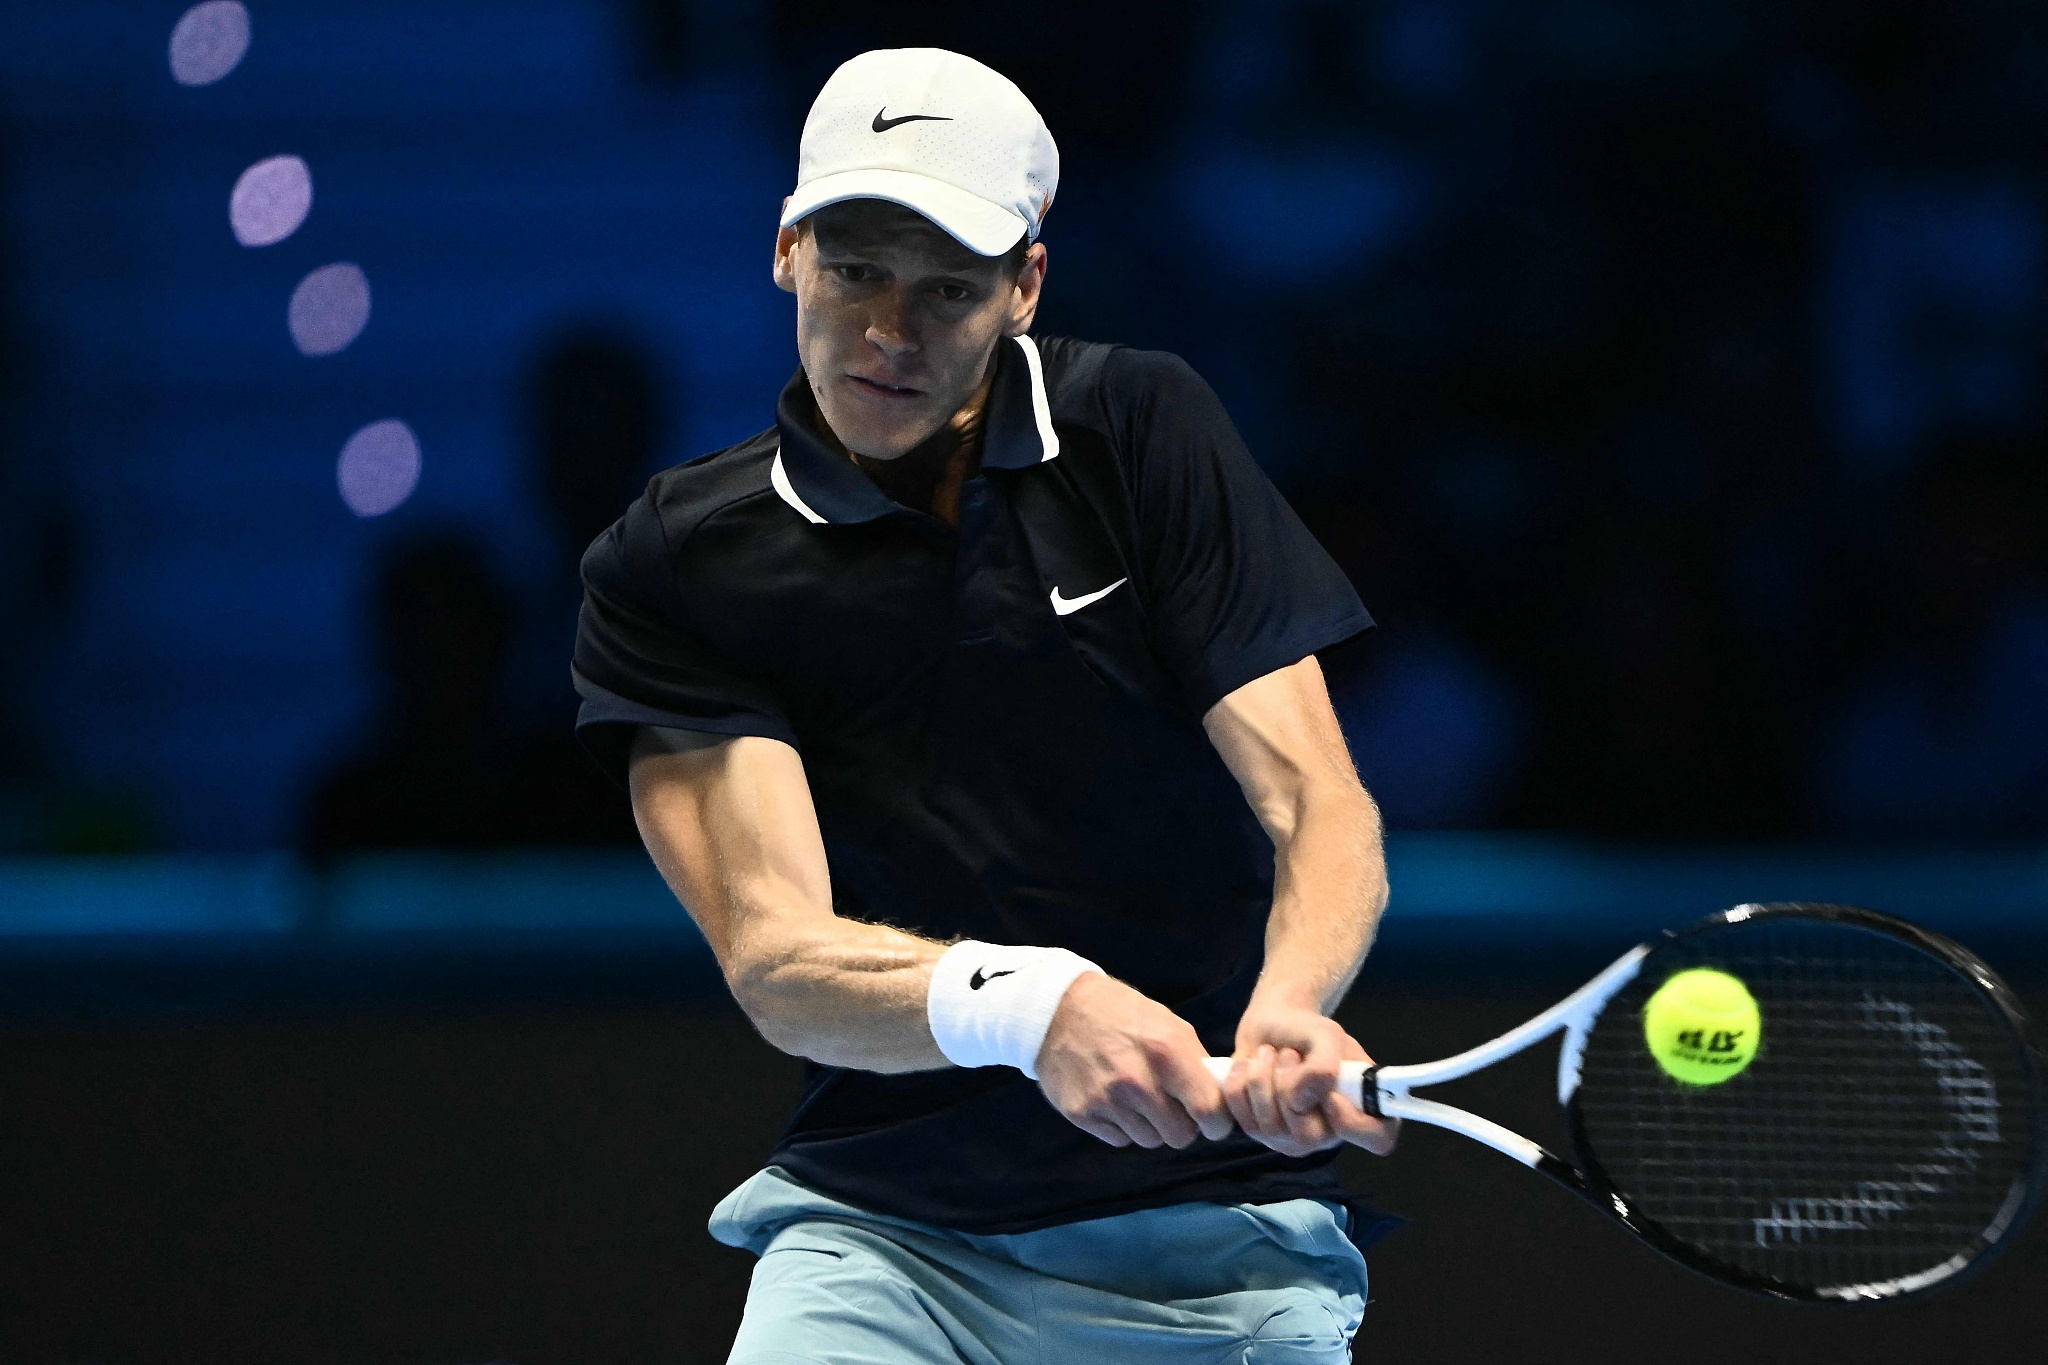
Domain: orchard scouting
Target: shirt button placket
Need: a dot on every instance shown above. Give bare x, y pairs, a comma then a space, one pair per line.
975, 596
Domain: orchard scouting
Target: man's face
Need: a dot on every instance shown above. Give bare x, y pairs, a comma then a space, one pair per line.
895, 320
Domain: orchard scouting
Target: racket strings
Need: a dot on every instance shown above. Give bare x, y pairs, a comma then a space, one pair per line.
1880, 1136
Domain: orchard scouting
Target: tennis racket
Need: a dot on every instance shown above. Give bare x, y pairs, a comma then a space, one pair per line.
1886, 1138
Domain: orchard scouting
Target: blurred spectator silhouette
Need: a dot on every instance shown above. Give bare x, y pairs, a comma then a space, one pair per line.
18, 600
1945, 730
448, 767
1439, 733
38, 569
434, 774
597, 425
46, 806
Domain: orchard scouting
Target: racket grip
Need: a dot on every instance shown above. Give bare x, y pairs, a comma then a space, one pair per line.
1350, 1081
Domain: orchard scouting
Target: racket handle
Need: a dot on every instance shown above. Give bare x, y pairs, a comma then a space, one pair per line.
1350, 1081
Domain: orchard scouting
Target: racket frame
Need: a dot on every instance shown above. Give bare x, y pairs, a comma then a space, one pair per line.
1392, 1095
1387, 1092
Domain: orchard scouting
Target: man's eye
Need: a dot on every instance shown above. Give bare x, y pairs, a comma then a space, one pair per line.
953, 293
852, 274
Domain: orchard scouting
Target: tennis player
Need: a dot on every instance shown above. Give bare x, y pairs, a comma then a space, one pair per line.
972, 710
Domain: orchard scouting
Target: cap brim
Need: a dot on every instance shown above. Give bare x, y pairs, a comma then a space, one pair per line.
983, 227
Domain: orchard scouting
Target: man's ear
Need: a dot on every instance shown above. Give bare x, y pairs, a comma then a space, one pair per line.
785, 265
1030, 285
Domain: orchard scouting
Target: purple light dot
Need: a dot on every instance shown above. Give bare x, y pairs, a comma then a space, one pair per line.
271, 199
209, 41
329, 309
379, 468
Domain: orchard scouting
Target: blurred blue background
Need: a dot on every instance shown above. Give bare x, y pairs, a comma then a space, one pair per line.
1666, 375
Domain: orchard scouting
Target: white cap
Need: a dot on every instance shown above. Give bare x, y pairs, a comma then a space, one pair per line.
936, 132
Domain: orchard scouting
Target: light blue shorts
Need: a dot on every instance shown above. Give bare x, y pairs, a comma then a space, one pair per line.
1261, 1284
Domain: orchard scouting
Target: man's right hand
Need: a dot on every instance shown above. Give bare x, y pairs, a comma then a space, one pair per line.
1129, 1070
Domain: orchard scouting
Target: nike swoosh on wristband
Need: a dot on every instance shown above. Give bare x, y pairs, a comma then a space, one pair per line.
982, 976
883, 125
1066, 606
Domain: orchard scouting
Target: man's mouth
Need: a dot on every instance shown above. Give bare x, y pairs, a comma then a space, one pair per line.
885, 389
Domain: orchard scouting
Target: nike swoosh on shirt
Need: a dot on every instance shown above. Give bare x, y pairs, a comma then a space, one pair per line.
1066, 606
883, 125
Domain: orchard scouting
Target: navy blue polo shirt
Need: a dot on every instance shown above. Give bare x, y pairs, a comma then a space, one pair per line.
1001, 728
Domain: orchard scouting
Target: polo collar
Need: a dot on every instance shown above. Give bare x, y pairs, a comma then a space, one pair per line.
824, 486
1019, 431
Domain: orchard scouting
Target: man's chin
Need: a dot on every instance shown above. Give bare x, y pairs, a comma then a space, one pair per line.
875, 441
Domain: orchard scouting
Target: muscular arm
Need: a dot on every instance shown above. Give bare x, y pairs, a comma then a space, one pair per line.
1279, 737
730, 824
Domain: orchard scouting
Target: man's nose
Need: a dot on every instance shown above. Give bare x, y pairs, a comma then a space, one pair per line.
892, 327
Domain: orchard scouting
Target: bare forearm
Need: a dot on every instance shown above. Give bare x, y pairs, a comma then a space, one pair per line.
1280, 737
731, 826
842, 993
1330, 886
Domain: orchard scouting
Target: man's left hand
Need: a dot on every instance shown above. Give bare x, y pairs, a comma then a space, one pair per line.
1282, 1087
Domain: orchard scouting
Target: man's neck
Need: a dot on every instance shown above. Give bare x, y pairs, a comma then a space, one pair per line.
929, 477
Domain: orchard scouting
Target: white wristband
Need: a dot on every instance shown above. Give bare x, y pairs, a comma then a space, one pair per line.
990, 1005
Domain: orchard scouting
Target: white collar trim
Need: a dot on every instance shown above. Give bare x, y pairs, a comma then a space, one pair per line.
779, 478
1048, 439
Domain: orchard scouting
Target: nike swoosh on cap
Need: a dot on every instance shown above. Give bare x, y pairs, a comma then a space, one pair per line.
1066, 606
883, 125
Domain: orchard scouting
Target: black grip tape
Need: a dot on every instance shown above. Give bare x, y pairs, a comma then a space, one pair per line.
1369, 1090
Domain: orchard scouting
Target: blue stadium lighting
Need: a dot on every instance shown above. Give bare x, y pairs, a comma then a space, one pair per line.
379, 468
329, 309
209, 41
270, 200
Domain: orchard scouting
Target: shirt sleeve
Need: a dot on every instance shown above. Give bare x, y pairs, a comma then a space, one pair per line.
637, 660
1237, 587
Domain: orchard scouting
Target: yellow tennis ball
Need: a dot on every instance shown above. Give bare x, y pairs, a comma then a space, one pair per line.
1702, 1026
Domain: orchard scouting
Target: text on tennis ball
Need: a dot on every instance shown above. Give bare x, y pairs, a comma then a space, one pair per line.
1702, 1026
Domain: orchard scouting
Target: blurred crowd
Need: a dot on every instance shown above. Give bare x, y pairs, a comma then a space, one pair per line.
447, 766
1667, 377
